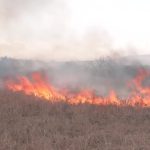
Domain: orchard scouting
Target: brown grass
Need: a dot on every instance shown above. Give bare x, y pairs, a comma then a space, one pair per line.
28, 123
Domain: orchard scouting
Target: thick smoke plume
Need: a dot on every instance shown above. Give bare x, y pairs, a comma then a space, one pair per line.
41, 29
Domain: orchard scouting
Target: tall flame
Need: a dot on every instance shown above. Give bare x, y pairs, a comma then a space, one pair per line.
38, 86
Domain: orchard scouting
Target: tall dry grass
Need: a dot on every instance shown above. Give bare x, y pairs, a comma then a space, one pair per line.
28, 123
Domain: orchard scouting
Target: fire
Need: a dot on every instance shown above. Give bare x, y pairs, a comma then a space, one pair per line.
140, 94
39, 86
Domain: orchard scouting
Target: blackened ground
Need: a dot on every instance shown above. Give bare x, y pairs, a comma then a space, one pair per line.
28, 123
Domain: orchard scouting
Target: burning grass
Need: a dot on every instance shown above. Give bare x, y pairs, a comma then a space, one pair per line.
29, 123
39, 86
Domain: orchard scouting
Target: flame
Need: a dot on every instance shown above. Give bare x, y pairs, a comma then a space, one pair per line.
140, 94
38, 86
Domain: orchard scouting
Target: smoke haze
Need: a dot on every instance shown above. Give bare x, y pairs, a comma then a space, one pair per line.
71, 30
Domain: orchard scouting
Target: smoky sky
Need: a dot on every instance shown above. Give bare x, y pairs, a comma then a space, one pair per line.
28, 27
40, 29
46, 29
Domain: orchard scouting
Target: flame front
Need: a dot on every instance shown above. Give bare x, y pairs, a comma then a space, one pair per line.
37, 87
40, 87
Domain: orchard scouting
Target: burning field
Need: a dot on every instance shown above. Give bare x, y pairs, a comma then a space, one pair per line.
36, 113
74, 75
39, 86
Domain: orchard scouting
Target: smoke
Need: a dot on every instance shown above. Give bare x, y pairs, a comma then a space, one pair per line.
41, 29
31, 26
18, 10
54, 29
101, 76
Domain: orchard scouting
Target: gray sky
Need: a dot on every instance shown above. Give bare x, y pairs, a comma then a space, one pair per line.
73, 29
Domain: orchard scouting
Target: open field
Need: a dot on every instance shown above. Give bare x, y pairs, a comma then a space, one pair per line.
28, 123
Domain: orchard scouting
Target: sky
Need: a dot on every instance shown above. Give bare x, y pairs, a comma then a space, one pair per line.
73, 29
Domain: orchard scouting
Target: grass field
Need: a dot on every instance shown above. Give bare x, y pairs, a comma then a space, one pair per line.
29, 123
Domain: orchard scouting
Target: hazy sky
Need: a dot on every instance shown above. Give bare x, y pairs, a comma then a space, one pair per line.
73, 29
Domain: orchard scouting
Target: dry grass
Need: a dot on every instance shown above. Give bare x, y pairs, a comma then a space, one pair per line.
27, 123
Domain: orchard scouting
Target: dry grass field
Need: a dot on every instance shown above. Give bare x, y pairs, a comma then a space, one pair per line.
29, 123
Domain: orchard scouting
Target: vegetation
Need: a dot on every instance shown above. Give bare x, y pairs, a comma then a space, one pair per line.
29, 123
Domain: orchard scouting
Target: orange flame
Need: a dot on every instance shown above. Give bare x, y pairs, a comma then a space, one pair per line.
40, 87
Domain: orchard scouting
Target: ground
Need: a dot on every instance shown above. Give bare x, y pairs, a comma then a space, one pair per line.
29, 123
